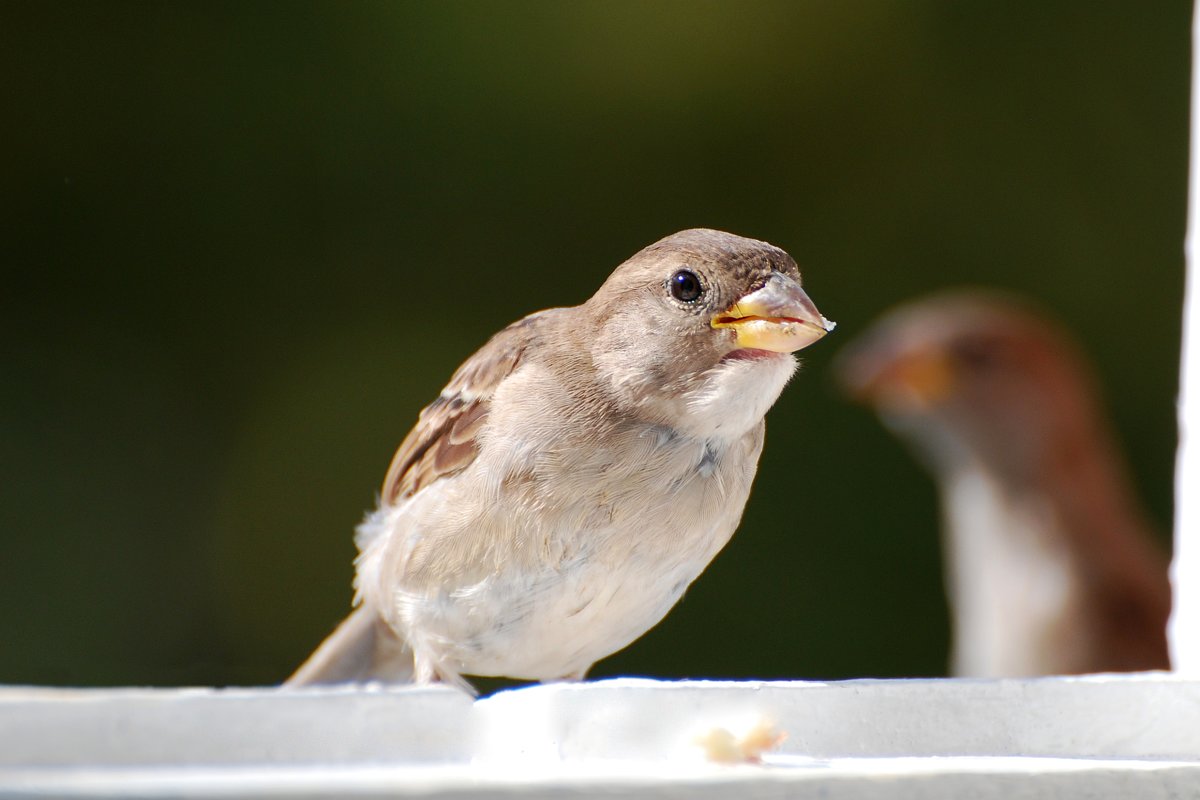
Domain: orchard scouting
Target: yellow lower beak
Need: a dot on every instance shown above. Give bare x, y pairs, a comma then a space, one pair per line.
779, 317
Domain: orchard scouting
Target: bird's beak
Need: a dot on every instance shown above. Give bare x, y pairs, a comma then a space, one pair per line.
778, 317
916, 379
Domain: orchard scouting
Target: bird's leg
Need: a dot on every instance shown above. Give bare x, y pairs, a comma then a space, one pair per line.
457, 681
426, 671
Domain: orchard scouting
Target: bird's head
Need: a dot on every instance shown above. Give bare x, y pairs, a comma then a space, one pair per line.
976, 375
703, 323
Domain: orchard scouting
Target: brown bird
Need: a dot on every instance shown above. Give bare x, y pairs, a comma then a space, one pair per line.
1051, 565
577, 473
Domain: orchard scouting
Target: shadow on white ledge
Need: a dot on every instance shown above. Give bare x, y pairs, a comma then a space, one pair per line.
1099, 736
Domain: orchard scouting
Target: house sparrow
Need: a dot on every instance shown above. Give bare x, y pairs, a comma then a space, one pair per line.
577, 473
1052, 568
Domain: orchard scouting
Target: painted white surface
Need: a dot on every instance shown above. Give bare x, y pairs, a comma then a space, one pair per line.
1099, 736
1184, 629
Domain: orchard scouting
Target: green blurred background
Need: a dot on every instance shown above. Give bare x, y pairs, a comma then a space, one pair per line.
244, 243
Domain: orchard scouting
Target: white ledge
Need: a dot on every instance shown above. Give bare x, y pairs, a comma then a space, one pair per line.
1105, 735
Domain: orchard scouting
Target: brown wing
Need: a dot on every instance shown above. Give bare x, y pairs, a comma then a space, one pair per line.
443, 440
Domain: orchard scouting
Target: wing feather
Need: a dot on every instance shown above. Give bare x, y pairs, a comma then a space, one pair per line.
445, 438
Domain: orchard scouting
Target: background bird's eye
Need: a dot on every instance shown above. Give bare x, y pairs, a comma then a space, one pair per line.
976, 354
686, 286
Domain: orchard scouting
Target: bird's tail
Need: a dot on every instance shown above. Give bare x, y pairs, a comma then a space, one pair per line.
362, 648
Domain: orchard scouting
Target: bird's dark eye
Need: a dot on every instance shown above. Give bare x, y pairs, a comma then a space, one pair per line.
976, 354
686, 286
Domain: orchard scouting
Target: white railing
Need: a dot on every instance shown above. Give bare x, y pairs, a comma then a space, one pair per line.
1098, 736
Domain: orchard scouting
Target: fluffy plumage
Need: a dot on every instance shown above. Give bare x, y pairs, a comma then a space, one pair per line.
577, 473
1051, 565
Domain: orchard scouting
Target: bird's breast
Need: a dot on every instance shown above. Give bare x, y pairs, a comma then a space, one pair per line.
579, 555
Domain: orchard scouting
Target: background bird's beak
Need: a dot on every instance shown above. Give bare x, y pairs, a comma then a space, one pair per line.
778, 317
916, 379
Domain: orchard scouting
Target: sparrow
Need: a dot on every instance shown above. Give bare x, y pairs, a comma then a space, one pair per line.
576, 474
1052, 566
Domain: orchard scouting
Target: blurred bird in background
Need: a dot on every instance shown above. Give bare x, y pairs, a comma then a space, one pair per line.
1051, 566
